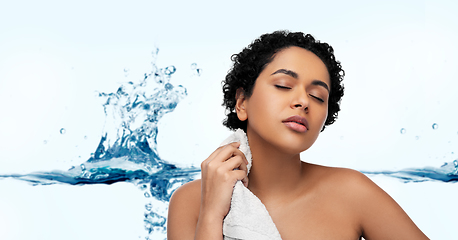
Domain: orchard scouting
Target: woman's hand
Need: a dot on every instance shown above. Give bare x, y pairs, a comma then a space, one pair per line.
220, 171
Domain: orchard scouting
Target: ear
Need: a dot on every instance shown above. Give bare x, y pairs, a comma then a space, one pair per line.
240, 105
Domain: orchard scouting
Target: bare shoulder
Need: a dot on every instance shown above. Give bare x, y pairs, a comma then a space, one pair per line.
354, 181
187, 198
348, 187
189, 191
360, 190
378, 215
341, 178
184, 210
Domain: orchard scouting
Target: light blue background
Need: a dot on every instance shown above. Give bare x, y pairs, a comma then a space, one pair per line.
400, 62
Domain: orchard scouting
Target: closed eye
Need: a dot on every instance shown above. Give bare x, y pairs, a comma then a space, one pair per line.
317, 98
282, 87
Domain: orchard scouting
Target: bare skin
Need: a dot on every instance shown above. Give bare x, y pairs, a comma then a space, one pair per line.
305, 201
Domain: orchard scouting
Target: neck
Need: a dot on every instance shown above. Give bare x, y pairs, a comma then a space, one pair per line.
274, 174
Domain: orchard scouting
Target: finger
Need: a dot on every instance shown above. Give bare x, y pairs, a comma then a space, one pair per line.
242, 155
235, 162
240, 175
215, 153
245, 181
221, 148
227, 152
243, 167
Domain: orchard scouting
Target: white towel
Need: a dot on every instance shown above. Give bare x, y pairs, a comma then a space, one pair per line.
248, 218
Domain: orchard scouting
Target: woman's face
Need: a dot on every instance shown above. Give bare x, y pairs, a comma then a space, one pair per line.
289, 103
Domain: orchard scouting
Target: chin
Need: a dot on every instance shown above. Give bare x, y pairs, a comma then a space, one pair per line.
294, 149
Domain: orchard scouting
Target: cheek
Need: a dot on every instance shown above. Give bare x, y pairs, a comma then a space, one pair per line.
325, 116
260, 109
321, 114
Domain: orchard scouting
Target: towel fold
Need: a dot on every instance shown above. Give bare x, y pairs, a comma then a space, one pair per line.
248, 218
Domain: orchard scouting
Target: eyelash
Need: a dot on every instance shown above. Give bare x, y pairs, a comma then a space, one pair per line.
317, 98
283, 87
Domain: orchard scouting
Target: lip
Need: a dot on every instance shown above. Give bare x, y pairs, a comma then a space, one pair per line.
297, 123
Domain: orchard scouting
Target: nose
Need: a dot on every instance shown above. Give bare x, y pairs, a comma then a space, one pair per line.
300, 100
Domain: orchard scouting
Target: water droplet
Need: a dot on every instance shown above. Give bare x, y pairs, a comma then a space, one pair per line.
63, 131
170, 70
148, 207
455, 172
83, 167
435, 126
147, 195
168, 86
197, 71
155, 52
403, 131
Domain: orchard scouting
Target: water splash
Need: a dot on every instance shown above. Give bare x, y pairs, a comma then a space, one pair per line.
448, 172
127, 150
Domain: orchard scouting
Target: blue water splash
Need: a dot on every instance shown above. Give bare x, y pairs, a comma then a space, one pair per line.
127, 151
448, 172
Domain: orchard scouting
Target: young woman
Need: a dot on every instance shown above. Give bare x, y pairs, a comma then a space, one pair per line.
282, 90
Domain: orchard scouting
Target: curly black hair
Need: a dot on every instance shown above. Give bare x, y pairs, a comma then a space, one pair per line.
250, 62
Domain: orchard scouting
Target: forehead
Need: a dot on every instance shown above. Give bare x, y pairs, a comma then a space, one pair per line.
305, 63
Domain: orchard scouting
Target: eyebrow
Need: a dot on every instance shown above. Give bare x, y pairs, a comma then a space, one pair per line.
320, 83
296, 76
287, 72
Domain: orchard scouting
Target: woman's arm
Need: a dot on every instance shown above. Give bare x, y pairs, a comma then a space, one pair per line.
184, 211
197, 209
